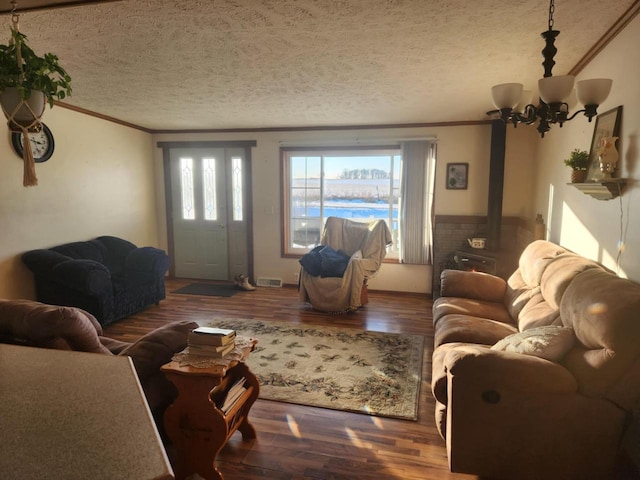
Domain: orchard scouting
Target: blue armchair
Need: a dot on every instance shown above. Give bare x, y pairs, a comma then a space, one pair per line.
109, 277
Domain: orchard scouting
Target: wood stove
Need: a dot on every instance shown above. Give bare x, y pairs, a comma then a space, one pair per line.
475, 262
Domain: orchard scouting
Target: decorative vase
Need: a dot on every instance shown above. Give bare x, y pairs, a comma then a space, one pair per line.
608, 156
19, 112
578, 176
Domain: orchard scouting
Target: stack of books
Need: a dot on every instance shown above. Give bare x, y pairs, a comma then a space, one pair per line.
233, 395
211, 342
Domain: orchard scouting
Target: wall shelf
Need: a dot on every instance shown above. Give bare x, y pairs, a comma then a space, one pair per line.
602, 190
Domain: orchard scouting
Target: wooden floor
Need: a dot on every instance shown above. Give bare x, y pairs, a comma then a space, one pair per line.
297, 442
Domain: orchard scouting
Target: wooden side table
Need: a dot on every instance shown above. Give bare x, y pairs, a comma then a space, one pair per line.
195, 422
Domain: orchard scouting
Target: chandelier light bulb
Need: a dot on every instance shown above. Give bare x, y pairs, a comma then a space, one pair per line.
555, 89
506, 95
593, 91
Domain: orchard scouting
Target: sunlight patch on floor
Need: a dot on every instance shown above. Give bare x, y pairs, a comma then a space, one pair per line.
377, 422
293, 426
354, 438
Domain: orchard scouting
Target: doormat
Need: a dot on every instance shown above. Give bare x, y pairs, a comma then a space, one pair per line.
210, 290
367, 372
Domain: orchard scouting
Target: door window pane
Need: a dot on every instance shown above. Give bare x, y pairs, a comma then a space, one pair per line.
236, 186
186, 184
209, 188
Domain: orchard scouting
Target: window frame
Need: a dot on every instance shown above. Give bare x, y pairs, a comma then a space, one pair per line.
286, 153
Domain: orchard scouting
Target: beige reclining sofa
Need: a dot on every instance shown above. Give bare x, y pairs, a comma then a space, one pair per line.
535, 377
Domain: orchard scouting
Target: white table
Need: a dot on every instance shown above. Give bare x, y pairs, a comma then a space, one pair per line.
75, 415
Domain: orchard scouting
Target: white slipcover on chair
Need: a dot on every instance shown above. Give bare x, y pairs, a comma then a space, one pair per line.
366, 245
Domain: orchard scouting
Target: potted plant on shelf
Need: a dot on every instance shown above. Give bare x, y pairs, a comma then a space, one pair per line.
28, 81
579, 162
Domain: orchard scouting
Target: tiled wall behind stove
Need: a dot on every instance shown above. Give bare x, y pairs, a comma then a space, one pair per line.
451, 235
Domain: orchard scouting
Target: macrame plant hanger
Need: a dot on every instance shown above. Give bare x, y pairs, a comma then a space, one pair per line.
29, 177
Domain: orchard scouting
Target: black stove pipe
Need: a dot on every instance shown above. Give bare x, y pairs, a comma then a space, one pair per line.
496, 184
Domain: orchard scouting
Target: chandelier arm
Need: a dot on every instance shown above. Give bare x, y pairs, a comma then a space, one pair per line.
576, 113
529, 115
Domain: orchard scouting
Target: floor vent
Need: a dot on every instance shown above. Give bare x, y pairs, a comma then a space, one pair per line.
269, 282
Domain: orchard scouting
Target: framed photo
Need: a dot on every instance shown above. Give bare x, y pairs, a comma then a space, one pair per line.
607, 125
457, 176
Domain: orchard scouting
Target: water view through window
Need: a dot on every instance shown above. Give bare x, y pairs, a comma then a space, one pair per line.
360, 186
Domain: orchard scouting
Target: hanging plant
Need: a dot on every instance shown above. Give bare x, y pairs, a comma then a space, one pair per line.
22, 69
27, 82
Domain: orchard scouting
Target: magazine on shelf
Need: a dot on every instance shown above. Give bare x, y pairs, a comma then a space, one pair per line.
234, 393
211, 336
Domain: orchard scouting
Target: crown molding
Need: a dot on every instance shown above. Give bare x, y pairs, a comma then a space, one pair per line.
609, 35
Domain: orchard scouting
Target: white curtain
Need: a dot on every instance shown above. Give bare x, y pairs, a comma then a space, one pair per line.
416, 201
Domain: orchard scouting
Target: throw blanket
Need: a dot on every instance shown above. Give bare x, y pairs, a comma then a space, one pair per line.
324, 261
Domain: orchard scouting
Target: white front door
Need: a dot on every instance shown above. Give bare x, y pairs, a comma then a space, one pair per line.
200, 213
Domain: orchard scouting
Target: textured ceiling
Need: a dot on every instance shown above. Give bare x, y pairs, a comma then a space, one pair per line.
203, 64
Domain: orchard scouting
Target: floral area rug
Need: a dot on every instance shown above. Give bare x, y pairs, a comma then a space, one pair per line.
343, 369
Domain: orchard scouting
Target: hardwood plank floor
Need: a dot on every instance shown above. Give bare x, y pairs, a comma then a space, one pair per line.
298, 442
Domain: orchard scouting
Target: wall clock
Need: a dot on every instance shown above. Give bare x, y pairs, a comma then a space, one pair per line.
41, 143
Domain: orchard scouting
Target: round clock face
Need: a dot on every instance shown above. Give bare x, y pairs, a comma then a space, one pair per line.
41, 144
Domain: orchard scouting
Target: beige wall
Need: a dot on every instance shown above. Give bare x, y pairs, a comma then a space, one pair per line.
455, 144
99, 181
592, 227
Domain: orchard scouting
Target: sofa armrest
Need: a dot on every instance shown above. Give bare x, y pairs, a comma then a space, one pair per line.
147, 259
509, 415
476, 285
27, 322
41, 262
86, 276
515, 372
156, 348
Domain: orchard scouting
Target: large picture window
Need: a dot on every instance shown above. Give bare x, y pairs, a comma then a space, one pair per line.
358, 184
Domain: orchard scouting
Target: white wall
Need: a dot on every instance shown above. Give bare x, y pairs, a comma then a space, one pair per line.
455, 144
99, 181
587, 226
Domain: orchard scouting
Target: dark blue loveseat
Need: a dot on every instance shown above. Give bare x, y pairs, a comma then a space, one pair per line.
109, 277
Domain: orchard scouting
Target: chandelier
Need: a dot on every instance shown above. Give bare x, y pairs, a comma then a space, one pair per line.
513, 102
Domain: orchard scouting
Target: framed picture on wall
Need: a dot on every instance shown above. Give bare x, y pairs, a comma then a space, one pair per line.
607, 125
457, 176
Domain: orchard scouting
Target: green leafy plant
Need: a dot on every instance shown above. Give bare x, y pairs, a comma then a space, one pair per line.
38, 73
578, 160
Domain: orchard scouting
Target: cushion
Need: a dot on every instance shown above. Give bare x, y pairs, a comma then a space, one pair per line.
468, 329
549, 342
